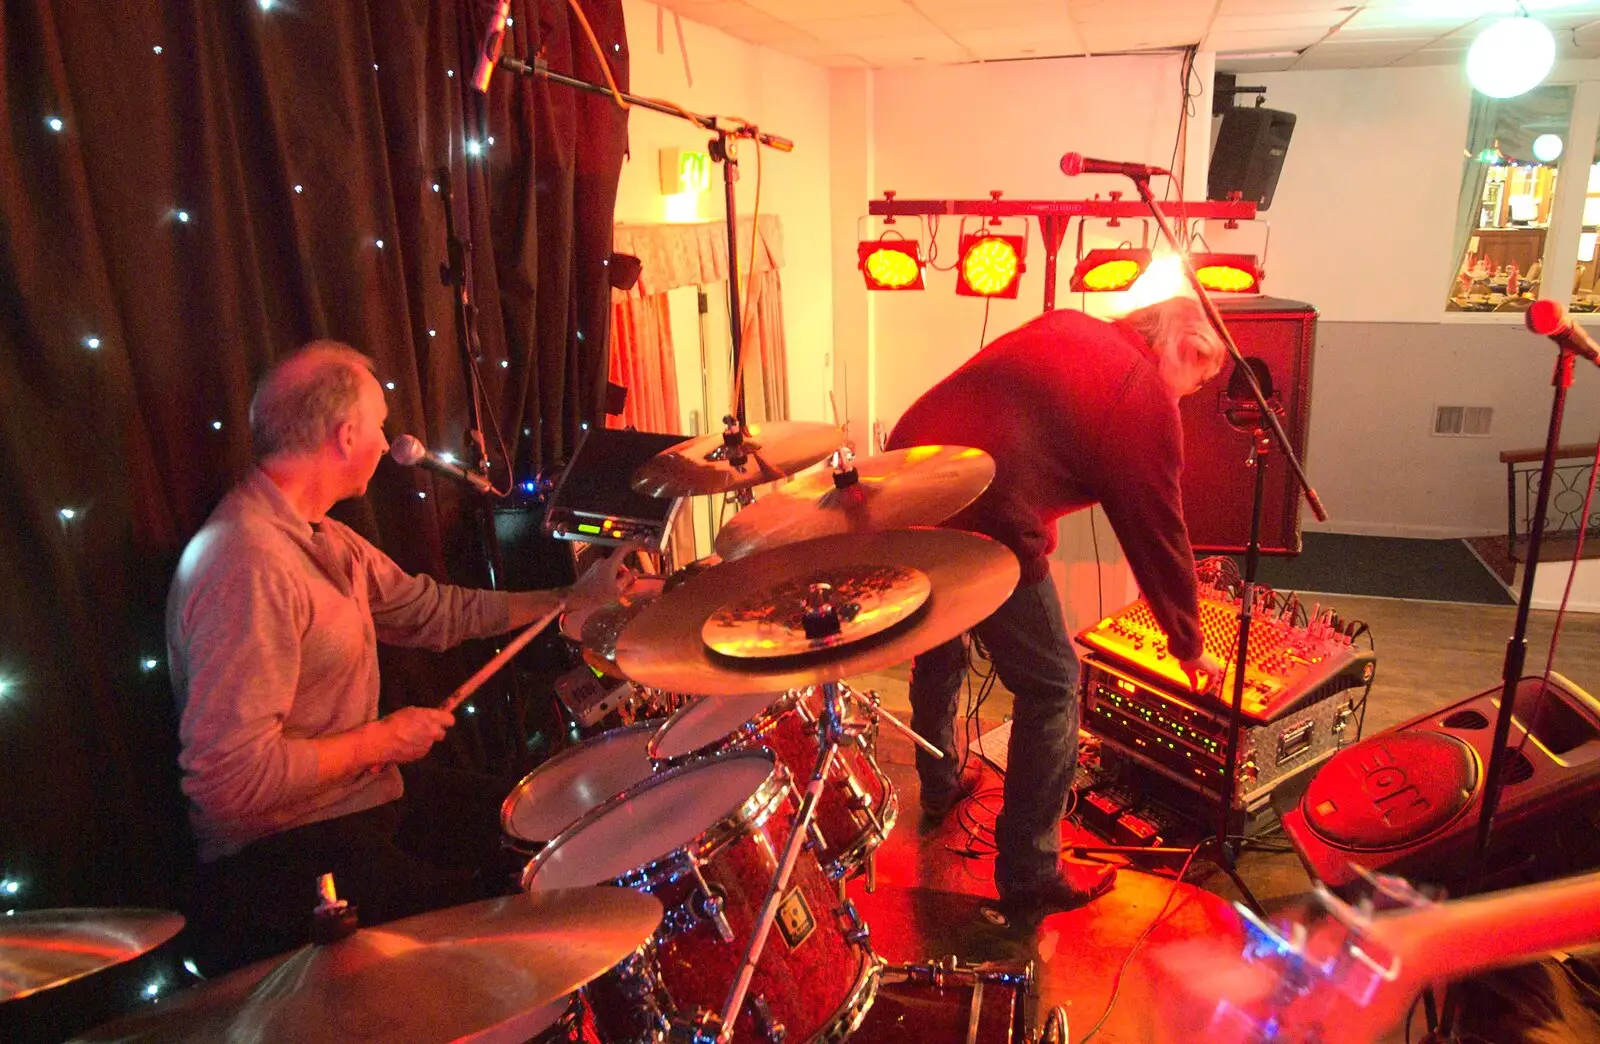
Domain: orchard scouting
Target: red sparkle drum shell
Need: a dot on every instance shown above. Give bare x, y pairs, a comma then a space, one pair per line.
730, 816
930, 1004
858, 806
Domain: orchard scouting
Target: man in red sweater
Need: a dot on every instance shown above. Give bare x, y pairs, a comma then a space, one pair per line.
1075, 410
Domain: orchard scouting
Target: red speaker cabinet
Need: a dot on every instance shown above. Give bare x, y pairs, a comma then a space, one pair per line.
1406, 800
1217, 483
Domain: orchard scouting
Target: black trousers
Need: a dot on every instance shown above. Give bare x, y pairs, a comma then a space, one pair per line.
437, 846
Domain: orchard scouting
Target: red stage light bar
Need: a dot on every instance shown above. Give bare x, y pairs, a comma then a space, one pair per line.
890, 264
990, 266
1103, 271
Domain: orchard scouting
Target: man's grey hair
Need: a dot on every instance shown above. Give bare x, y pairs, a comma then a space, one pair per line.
304, 398
1186, 345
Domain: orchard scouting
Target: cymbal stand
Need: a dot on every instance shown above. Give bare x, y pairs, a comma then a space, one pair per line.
821, 619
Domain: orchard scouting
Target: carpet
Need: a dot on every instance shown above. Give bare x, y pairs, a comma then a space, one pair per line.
1385, 567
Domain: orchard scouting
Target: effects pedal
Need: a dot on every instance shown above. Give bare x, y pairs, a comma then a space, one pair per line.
1137, 830
1099, 809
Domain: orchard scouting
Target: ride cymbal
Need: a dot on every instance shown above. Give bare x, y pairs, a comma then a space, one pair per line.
918, 486
438, 976
721, 461
969, 576
44, 948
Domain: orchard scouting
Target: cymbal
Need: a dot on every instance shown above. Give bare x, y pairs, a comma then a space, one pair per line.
642, 589
44, 948
969, 576
706, 464
603, 625
918, 486
438, 976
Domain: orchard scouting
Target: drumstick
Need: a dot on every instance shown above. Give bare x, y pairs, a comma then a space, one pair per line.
471, 685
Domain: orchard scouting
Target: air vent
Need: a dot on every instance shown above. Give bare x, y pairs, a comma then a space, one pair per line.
1518, 769
1466, 720
1463, 421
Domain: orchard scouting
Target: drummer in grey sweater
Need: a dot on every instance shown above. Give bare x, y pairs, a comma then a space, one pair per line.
273, 620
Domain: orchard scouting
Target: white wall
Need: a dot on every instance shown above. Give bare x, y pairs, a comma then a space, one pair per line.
1361, 227
782, 95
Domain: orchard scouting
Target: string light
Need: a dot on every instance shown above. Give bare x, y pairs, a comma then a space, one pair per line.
436, 186
152, 989
474, 147
450, 73
374, 66
298, 189
510, 22
55, 124
189, 966
183, 216
505, 364
10, 886
91, 342
421, 495
431, 332
448, 458
470, 709
216, 425
490, 139
266, 5
389, 385
156, 48
380, 244
67, 514
527, 431
150, 663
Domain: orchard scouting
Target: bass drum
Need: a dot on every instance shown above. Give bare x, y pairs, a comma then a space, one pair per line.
982, 1004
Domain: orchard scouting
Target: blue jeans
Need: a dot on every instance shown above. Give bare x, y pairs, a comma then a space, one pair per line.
1028, 644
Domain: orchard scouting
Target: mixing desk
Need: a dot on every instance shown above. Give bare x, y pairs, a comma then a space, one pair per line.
1289, 665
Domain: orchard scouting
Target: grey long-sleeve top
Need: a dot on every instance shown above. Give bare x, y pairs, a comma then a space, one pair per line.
272, 638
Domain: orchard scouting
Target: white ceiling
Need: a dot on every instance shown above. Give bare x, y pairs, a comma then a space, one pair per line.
1248, 35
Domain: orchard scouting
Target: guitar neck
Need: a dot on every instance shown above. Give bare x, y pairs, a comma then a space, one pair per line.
1489, 931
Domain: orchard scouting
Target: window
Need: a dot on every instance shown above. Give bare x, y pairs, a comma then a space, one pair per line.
1507, 200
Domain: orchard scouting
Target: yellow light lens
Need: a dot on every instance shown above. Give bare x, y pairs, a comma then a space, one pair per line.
1113, 275
1226, 279
893, 269
990, 267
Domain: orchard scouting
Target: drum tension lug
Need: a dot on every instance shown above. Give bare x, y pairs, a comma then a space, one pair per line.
770, 1028
704, 1028
710, 902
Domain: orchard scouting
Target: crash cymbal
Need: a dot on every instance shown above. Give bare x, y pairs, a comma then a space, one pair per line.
643, 589
440, 976
44, 948
711, 464
919, 486
774, 621
969, 576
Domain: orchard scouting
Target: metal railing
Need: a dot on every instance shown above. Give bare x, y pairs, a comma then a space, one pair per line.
1569, 484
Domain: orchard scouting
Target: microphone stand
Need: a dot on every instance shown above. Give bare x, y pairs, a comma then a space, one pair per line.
1516, 655
724, 148
453, 274
1216, 849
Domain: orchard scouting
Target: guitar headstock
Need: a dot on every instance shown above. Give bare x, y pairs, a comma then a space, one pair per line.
1326, 975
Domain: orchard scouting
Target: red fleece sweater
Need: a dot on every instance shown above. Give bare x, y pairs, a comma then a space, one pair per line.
1074, 412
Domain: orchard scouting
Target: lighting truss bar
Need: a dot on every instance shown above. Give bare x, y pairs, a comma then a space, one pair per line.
1232, 210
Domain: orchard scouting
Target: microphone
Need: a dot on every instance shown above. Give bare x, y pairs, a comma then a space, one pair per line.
1075, 163
1548, 318
413, 454
490, 54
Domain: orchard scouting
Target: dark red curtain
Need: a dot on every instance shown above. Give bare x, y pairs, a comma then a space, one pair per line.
188, 189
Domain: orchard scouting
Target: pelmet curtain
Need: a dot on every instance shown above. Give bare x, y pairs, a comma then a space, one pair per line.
766, 367
188, 189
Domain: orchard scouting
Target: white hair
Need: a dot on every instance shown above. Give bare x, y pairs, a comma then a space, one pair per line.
1187, 348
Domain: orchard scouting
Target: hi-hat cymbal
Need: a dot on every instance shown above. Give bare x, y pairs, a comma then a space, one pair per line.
603, 625
44, 948
643, 589
438, 976
709, 464
919, 486
969, 576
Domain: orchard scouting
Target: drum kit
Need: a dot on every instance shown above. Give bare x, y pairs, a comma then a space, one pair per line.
686, 875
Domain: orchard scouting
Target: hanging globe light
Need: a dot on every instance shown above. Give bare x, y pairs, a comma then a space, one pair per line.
1547, 148
1511, 57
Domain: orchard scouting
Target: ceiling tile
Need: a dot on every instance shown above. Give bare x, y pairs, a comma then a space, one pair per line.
1256, 65
996, 44
871, 27
999, 17
1352, 56
790, 11
1281, 20
1263, 40
900, 51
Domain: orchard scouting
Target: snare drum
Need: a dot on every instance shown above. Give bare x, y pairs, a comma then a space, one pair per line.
932, 1002
715, 829
564, 789
858, 805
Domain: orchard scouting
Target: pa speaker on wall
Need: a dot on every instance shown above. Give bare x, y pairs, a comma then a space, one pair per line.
1406, 801
1248, 155
1276, 338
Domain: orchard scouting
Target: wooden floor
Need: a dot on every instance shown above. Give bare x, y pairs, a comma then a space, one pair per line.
931, 894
